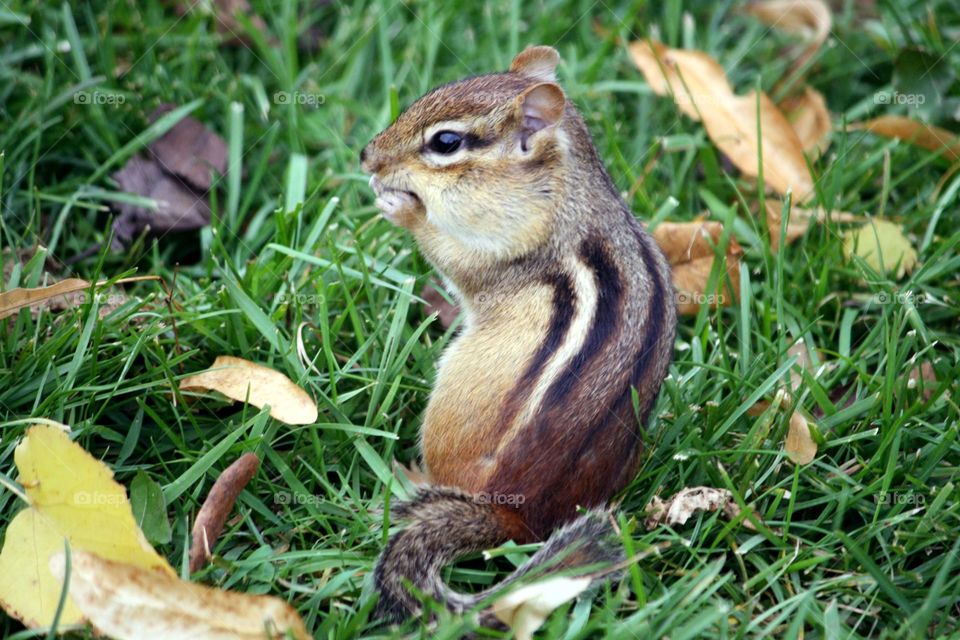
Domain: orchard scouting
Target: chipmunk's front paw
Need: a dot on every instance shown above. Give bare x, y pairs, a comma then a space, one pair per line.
402, 208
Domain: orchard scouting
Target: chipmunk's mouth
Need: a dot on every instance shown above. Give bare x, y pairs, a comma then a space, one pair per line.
382, 189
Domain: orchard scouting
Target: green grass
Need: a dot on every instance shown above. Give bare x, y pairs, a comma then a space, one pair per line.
862, 542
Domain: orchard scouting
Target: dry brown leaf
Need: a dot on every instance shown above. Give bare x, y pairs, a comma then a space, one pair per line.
688, 247
246, 381
809, 19
16, 299
527, 608
808, 114
800, 220
800, 445
220, 500
916, 133
679, 507
804, 363
699, 87
131, 603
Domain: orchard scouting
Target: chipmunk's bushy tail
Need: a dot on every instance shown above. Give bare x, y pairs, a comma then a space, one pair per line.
446, 523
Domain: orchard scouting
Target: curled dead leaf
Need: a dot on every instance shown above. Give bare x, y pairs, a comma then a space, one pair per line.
809, 19
527, 608
681, 506
16, 299
700, 89
800, 446
245, 381
917, 133
808, 114
800, 220
132, 603
220, 500
689, 248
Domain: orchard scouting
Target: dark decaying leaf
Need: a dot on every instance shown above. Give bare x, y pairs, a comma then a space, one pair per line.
189, 150
178, 207
226, 15
177, 172
436, 303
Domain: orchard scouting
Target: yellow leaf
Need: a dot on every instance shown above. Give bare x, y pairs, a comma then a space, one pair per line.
245, 381
881, 241
16, 299
700, 89
131, 603
72, 496
527, 608
800, 445
916, 133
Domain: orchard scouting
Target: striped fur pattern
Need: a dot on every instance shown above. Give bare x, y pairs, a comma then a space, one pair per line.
444, 523
569, 305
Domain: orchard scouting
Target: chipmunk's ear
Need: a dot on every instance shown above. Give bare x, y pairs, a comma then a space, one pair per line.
539, 63
539, 107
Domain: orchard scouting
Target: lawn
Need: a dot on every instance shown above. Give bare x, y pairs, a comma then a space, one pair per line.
297, 271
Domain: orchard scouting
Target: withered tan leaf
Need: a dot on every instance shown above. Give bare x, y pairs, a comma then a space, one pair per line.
16, 299
800, 446
700, 89
800, 220
808, 114
132, 603
246, 381
809, 19
681, 506
917, 133
688, 247
527, 608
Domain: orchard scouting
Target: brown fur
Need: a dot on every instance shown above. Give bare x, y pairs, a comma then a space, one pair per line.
569, 308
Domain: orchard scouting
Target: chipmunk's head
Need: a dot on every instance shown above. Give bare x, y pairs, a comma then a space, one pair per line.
485, 156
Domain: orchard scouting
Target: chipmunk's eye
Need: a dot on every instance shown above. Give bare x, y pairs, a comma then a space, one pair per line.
445, 142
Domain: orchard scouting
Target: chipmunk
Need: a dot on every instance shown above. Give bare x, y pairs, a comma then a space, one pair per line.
569, 311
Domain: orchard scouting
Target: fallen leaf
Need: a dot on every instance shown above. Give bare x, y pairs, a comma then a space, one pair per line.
800, 220
189, 150
689, 248
800, 446
804, 363
133, 603
246, 381
881, 241
925, 378
16, 299
177, 174
916, 133
700, 89
808, 114
809, 19
72, 496
679, 508
178, 208
436, 303
527, 608
225, 14
220, 500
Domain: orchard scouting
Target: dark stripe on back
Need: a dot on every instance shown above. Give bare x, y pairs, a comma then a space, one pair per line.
564, 303
606, 318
